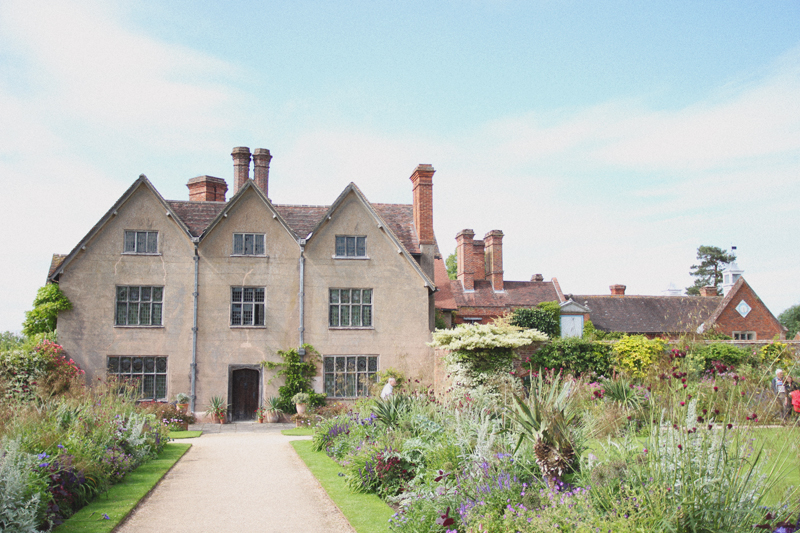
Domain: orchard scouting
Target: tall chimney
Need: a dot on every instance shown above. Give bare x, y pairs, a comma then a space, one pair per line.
261, 159
709, 290
422, 180
207, 189
478, 260
617, 290
494, 252
465, 255
241, 167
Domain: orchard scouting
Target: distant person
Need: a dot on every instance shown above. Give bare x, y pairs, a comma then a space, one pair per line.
791, 384
779, 388
388, 388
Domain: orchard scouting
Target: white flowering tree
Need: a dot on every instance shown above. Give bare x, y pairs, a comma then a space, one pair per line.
479, 354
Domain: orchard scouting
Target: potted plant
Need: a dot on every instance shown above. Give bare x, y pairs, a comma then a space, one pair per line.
273, 410
182, 400
300, 401
218, 409
261, 413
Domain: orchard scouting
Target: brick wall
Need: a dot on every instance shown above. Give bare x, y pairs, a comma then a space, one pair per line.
759, 319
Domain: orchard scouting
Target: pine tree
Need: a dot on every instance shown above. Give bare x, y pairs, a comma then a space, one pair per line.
709, 271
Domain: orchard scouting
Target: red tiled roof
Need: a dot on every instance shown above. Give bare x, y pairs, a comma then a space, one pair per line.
515, 294
302, 219
196, 215
444, 296
649, 314
55, 262
400, 218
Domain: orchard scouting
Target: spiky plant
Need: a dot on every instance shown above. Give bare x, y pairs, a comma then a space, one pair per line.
548, 419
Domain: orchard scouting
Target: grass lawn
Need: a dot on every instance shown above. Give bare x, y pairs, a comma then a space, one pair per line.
184, 434
120, 499
298, 432
366, 512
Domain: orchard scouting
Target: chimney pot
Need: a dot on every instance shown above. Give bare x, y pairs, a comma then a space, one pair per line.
709, 290
537, 277
478, 260
261, 160
618, 290
422, 180
464, 255
207, 189
494, 257
241, 167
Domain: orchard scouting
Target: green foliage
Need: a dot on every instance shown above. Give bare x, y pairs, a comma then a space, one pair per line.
46, 306
297, 372
43, 370
451, 263
537, 318
21, 490
590, 333
729, 354
574, 355
440, 322
790, 318
384, 375
217, 406
389, 410
636, 353
709, 270
776, 354
624, 393
10, 341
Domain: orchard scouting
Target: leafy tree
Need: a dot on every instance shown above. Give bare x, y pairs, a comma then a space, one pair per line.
709, 270
46, 306
791, 319
545, 317
452, 266
10, 341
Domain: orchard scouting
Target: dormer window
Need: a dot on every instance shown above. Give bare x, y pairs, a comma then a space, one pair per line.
351, 246
141, 242
248, 244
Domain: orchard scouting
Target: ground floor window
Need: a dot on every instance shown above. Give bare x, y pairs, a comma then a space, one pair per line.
744, 335
349, 376
149, 374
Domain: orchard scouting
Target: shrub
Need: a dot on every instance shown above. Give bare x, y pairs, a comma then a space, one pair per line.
719, 351
21, 504
574, 355
297, 372
537, 318
635, 354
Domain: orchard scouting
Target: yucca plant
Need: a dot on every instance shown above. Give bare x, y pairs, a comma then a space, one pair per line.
389, 410
548, 419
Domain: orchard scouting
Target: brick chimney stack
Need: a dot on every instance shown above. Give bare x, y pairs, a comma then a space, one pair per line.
261, 159
494, 252
422, 180
618, 290
241, 167
478, 260
207, 189
465, 256
709, 290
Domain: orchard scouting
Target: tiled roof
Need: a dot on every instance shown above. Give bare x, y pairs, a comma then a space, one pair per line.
55, 262
400, 218
444, 296
515, 294
196, 215
302, 219
649, 314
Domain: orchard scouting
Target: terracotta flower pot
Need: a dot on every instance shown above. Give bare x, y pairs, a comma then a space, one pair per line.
301, 408
183, 407
260, 419
273, 417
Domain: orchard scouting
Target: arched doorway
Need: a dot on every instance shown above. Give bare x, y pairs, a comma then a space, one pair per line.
244, 393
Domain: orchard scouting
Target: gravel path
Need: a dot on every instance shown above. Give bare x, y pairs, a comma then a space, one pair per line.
244, 479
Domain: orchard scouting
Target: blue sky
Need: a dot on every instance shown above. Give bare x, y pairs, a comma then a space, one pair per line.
608, 140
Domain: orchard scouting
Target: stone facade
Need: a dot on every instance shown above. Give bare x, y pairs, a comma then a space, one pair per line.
297, 269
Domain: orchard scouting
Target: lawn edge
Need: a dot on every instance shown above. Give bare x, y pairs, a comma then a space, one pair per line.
103, 502
352, 505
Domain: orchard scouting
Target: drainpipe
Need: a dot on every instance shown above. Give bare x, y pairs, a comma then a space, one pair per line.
195, 294
301, 351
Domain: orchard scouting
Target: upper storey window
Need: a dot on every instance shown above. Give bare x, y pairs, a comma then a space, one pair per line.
248, 244
139, 306
141, 242
351, 246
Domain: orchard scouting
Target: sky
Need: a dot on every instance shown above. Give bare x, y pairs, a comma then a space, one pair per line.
607, 140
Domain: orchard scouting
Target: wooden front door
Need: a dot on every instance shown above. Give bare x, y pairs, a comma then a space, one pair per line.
245, 393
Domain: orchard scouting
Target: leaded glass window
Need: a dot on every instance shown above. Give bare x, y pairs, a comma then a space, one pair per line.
349, 376
350, 308
141, 242
248, 306
138, 305
149, 374
351, 246
248, 244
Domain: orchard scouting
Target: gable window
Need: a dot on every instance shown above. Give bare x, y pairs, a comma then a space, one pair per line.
349, 376
138, 305
744, 335
141, 242
149, 374
247, 306
351, 246
350, 308
248, 244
